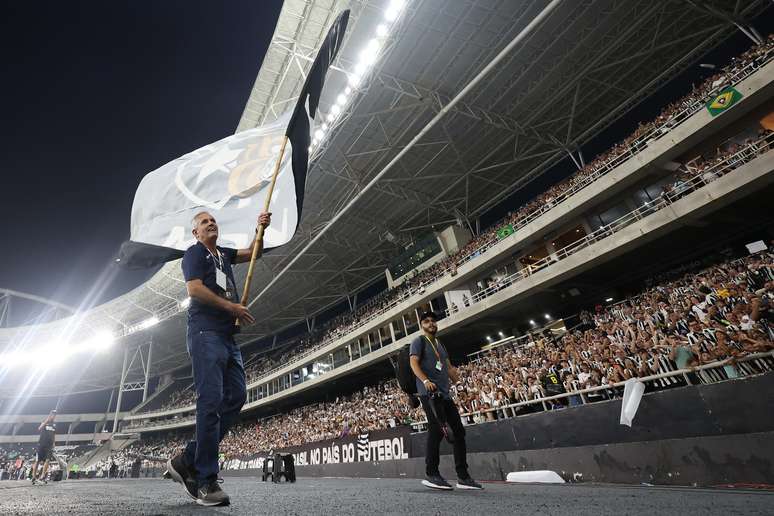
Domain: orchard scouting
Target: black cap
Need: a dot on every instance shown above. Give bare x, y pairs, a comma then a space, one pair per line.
428, 315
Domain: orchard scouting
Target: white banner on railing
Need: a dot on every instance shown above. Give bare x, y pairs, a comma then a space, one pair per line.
633, 391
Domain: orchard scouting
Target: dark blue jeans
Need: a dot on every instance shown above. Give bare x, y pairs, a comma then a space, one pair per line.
219, 377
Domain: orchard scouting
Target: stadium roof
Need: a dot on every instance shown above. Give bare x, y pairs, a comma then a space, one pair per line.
562, 84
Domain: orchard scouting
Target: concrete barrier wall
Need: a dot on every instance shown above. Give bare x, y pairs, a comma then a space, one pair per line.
704, 435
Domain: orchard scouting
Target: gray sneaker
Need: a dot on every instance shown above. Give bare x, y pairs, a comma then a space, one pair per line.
436, 482
468, 483
212, 494
182, 473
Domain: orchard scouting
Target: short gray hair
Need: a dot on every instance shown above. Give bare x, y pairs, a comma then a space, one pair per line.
193, 220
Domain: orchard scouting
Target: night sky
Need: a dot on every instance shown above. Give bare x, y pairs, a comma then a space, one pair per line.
96, 95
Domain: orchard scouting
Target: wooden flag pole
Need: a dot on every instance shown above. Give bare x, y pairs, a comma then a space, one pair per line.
258, 242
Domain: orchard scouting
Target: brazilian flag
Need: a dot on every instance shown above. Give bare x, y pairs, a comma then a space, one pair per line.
725, 99
505, 231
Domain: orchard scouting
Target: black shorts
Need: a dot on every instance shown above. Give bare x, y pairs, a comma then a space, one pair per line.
45, 452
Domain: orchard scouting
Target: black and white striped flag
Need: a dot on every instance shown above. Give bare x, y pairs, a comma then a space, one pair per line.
230, 179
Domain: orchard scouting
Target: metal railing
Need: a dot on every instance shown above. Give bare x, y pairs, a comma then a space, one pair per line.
707, 176
615, 390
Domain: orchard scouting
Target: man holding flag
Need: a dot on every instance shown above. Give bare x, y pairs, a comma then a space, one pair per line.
219, 375
214, 311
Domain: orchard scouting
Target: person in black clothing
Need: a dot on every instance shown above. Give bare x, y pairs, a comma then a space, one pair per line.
46, 441
430, 364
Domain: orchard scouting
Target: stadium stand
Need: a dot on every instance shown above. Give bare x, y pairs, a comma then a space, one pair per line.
716, 315
688, 178
685, 181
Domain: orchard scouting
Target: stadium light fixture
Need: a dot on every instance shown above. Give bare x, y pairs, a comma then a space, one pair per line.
608, 299
548, 317
102, 341
488, 338
501, 334
53, 354
394, 9
532, 322
149, 323
367, 57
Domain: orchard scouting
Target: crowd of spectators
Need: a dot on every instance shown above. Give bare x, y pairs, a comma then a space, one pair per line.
731, 155
373, 408
179, 398
16, 461
694, 316
720, 313
670, 116
139, 457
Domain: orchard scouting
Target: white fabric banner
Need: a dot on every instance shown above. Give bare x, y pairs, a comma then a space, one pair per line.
633, 391
229, 179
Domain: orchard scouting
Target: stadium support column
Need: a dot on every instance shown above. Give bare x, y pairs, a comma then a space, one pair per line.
147, 369
120, 389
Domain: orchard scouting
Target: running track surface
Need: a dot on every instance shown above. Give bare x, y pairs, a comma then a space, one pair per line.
340, 496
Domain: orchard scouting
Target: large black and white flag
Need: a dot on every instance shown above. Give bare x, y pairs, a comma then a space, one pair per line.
230, 179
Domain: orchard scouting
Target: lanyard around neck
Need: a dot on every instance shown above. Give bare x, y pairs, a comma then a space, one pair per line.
217, 260
434, 348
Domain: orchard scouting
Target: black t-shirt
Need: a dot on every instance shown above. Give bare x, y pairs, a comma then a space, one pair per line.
47, 434
199, 263
552, 383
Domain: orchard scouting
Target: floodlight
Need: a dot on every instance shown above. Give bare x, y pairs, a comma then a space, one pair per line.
54, 354
341, 99
335, 110
325, 127
354, 79
391, 14
102, 341
148, 323
501, 334
347, 90
319, 134
609, 299
532, 322
330, 117
489, 338
546, 316
381, 30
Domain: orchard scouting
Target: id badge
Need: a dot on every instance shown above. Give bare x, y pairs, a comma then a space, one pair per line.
220, 279
438, 365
